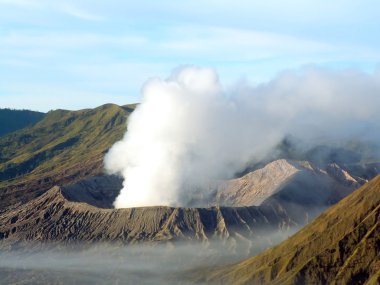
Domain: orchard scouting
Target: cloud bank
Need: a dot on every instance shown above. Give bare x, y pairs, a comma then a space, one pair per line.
189, 131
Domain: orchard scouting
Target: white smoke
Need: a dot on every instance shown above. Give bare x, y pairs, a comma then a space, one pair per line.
189, 131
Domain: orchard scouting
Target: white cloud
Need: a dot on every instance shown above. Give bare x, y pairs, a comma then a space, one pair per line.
252, 39
20, 3
64, 7
238, 44
66, 40
187, 133
77, 12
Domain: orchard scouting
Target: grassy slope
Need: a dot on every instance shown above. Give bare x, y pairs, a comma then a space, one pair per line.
12, 120
340, 247
65, 145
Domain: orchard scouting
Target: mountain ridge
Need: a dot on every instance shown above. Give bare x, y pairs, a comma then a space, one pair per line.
256, 186
89, 202
62, 148
12, 120
343, 239
55, 218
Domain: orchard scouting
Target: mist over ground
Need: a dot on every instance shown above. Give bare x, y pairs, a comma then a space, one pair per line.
101, 263
189, 131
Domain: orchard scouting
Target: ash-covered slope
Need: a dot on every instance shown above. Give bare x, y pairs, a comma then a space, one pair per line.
311, 191
83, 212
298, 188
340, 247
99, 191
52, 217
256, 186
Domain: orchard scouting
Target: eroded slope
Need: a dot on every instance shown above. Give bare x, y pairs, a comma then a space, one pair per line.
52, 217
340, 247
257, 186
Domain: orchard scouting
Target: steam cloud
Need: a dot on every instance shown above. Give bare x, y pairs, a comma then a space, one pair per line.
189, 131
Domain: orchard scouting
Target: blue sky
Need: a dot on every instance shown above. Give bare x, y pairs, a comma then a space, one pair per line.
79, 54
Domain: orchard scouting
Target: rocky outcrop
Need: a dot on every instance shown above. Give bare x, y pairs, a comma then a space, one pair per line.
342, 176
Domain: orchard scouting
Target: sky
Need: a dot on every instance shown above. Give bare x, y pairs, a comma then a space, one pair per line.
81, 54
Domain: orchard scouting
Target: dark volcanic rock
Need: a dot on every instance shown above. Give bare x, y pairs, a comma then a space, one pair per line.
99, 191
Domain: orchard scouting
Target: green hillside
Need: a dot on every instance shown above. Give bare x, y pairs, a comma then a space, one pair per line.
61, 148
12, 120
340, 247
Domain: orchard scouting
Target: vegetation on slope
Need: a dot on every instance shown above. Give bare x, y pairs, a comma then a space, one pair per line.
340, 247
63, 147
13, 120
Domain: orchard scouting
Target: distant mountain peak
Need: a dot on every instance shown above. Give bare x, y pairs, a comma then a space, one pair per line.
340, 247
257, 186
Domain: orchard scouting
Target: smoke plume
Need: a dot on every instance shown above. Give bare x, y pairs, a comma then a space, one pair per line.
189, 131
